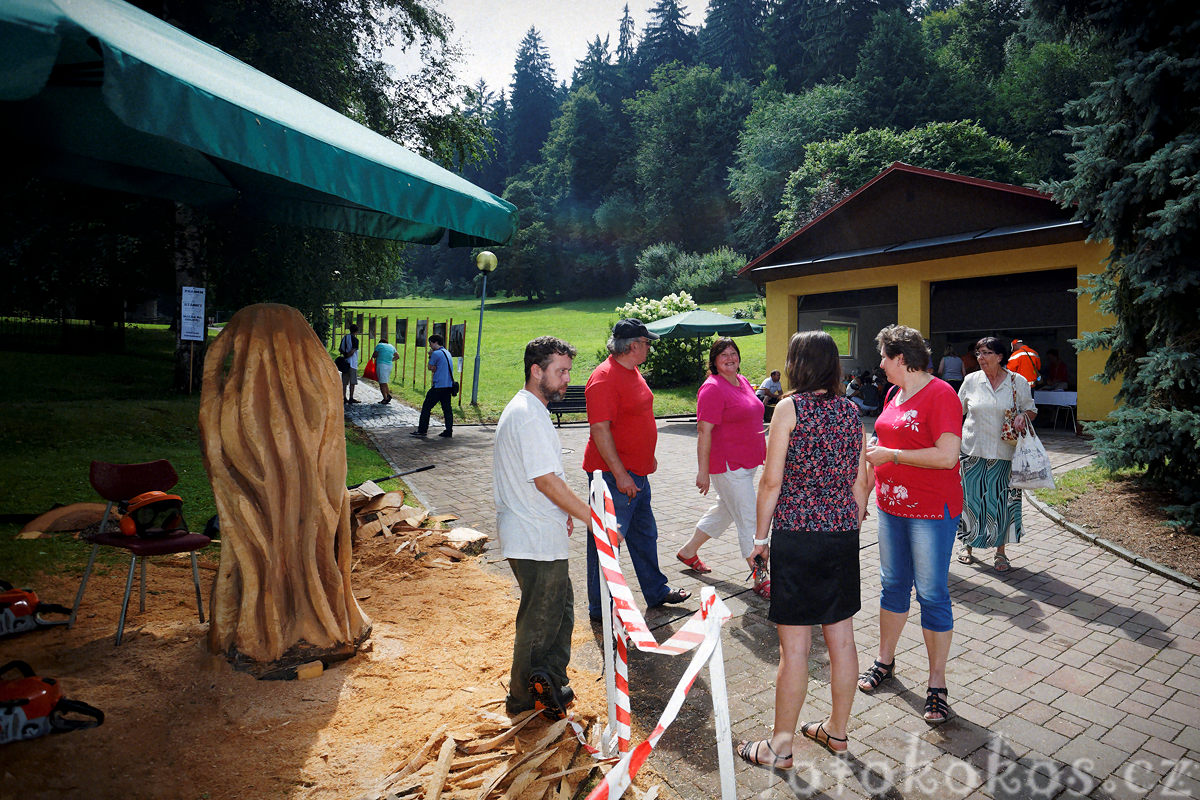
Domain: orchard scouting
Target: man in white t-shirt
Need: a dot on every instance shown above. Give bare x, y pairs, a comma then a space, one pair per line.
534, 510
769, 391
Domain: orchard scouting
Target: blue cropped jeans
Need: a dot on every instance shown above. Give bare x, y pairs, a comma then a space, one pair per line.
916, 552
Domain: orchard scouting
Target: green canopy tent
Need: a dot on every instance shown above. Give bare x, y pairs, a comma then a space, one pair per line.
99, 92
689, 324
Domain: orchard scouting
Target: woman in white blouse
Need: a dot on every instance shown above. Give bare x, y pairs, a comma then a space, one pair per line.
991, 510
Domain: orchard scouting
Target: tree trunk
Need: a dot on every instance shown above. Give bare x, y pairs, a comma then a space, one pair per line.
272, 428
189, 271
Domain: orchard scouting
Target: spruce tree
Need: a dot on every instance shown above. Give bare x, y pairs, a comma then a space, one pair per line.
1136, 183
667, 38
732, 36
532, 101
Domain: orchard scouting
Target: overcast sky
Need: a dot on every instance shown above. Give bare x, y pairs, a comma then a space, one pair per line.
489, 32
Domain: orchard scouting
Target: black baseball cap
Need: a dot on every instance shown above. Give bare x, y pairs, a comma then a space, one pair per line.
632, 329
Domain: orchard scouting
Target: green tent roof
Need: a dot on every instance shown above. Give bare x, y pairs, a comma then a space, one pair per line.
701, 323
99, 92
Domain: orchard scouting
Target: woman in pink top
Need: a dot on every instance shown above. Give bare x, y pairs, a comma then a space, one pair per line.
729, 448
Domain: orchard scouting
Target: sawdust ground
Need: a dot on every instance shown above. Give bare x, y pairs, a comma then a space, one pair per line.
180, 723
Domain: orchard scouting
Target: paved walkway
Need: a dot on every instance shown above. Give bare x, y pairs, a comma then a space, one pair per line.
1073, 675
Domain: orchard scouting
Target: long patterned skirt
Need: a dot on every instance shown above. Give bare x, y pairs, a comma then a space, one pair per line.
991, 510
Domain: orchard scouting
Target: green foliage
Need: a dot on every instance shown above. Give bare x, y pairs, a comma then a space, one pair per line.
533, 101
1039, 79
900, 82
1136, 182
834, 167
685, 131
664, 269
666, 39
732, 37
672, 362
771, 146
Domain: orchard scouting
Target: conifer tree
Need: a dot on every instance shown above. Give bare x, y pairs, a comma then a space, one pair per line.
533, 101
1136, 182
666, 38
732, 36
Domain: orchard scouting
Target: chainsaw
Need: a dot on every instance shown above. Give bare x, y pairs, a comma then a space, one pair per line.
31, 706
21, 611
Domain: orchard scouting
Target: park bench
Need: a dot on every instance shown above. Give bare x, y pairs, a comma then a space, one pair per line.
573, 401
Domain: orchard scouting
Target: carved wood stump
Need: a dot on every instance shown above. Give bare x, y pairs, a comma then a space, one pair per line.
272, 430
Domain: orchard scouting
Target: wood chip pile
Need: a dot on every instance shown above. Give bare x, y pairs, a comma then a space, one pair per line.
498, 759
374, 512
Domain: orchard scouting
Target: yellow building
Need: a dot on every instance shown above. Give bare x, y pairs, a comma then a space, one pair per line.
955, 257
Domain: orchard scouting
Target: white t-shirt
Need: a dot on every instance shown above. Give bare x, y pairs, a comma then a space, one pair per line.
768, 384
527, 446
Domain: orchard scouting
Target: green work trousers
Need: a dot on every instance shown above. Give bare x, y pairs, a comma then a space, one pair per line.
545, 622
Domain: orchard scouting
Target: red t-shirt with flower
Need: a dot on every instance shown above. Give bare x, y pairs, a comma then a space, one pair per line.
903, 490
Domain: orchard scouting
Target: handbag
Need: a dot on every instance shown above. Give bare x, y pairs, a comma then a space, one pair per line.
369, 371
1008, 431
454, 389
1030, 465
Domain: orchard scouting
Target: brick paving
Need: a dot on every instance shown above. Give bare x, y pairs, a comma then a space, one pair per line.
1072, 675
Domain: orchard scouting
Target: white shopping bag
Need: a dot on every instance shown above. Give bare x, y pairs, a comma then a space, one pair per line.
1030, 464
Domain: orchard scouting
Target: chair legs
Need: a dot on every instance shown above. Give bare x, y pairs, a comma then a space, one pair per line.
196, 581
83, 584
125, 601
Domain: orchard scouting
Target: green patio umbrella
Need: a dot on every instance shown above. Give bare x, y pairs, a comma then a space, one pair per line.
701, 323
99, 92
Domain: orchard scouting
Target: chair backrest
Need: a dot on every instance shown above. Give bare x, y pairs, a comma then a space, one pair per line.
123, 481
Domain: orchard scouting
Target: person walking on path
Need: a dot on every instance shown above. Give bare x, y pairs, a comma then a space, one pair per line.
348, 349
623, 435
729, 450
534, 516
440, 390
991, 510
813, 496
918, 491
385, 356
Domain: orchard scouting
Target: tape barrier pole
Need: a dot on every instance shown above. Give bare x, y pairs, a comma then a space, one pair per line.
720, 698
610, 681
713, 615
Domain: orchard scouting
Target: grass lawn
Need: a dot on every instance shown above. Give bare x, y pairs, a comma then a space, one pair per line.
59, 412
508, 324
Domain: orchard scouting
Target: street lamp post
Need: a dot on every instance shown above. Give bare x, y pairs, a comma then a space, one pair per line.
485, 262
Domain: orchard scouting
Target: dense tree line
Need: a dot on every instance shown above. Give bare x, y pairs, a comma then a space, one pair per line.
732, 130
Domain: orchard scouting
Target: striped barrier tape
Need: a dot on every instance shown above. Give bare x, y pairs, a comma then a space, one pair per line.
713, 615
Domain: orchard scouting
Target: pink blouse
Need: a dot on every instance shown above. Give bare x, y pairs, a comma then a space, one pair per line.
737, 417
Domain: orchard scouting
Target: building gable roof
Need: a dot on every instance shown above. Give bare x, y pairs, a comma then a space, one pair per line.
906, 214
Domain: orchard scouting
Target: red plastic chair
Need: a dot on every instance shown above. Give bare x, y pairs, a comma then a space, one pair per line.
121, 482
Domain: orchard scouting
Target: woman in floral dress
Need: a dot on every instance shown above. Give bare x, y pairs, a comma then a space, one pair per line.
918, 491
813, 496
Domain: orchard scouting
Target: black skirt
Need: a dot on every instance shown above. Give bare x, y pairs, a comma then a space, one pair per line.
814, 577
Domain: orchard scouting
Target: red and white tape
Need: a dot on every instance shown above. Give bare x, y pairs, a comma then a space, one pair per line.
703, 629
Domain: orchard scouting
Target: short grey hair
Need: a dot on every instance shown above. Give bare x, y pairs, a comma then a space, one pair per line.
619, 347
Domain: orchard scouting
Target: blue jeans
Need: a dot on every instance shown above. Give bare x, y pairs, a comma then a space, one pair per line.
917, 552
635, 521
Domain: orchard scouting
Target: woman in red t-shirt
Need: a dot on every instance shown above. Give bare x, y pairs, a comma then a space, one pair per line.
918, 491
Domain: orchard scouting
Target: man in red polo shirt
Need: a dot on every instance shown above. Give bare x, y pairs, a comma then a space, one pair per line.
620, 409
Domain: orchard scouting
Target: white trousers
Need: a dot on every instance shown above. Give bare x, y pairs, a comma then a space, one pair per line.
736, 501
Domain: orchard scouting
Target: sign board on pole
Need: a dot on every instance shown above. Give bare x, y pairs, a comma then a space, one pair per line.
191, 316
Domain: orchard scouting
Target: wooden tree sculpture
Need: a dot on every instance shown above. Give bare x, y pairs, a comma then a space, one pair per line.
275, 450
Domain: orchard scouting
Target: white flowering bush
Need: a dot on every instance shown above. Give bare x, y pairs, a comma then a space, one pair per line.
672, 362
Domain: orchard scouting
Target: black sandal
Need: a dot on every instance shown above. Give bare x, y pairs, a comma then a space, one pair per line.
748, 752
935, 703
877, 674
816, 731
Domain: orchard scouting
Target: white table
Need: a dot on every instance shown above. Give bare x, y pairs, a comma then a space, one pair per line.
1061, 401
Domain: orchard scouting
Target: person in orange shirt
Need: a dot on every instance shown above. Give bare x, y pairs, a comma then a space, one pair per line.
1025, 362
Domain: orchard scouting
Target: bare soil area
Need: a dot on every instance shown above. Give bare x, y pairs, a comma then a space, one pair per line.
1126, 514
181, 723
